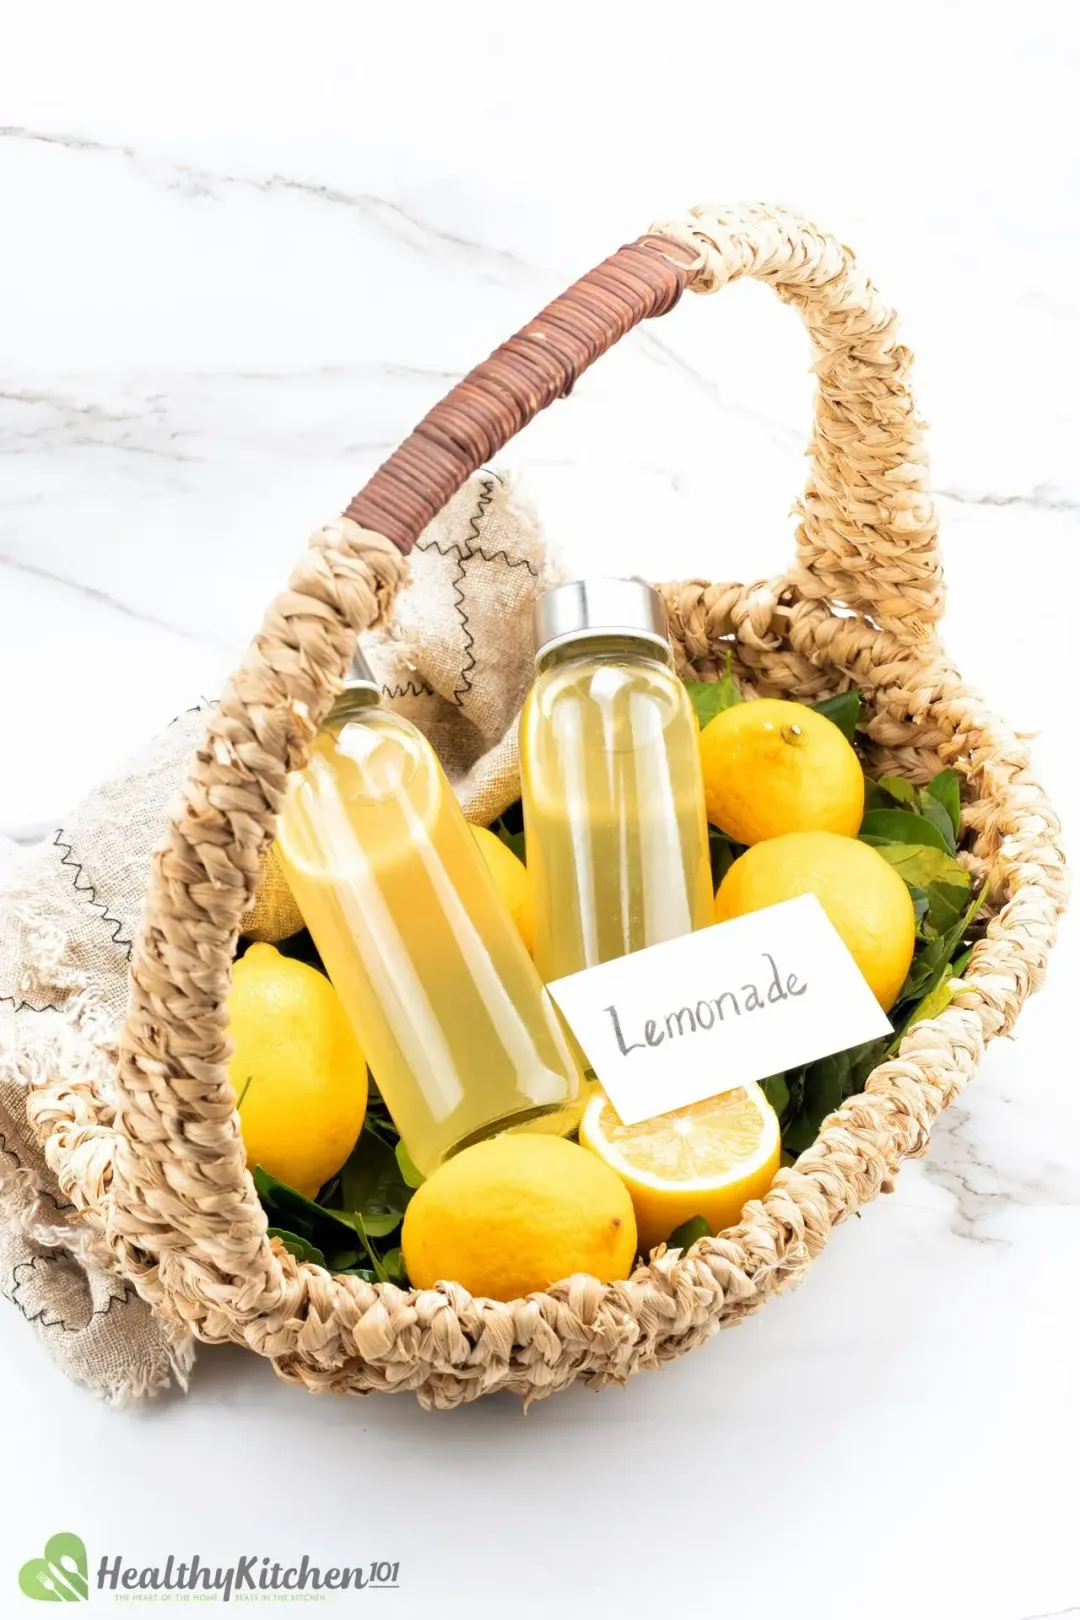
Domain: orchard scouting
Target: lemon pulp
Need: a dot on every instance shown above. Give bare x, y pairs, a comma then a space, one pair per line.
706, 1159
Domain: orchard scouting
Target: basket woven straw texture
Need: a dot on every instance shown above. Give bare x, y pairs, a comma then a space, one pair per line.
160, 1174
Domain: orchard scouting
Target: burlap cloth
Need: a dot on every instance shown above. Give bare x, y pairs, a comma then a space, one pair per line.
458, 662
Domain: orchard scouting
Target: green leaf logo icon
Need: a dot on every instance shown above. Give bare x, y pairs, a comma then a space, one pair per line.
60, 1576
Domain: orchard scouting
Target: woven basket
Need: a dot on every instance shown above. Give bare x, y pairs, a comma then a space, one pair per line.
163, 1179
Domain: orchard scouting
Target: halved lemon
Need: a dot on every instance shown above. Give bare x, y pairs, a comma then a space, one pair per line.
707, 1159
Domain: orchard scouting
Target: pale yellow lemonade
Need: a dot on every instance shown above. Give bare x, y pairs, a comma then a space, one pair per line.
460, 1034
617, 841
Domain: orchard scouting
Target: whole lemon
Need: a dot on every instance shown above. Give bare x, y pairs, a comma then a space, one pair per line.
772, 767
866, 901
511, 880
297, 1069
274, 913
513, 1215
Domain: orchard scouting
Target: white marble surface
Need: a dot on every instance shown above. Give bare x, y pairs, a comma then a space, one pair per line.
244, 249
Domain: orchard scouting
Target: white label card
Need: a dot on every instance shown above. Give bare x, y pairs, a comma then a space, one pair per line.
685, 1020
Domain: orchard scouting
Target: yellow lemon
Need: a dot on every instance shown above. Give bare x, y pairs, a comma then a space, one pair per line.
772, 767
297, 1070
866, 900
513, 1215
708, 1159
274, 914
511, 880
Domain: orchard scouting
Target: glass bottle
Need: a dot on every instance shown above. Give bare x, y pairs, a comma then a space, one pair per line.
460, 1034
616, 835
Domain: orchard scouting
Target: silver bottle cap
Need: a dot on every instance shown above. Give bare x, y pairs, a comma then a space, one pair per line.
586, 607
361, 673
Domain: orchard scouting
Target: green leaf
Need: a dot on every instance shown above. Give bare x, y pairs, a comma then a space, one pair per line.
705, 696
937, 998
301, 948
394, 1266
926, 965
723, 853
373, 1224
711, 698
898, 788
371, 1180
291, 1211
921, 865
875, 796
410, 1175
801, 1134
342, 1259
937, 806
958, 933
948, 902
823, 1092
920, 899
689, 1232
935, 1001
300, 1247
824, 1088
510, 828
730, 694
933, 972
901, 827
937, 814
343, 1235
795, 1080
776, 1090
378, 1118
945, 788
824, 1085
843, 710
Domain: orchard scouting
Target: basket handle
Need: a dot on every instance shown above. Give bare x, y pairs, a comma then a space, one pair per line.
499, 397
184, 1218
867, 538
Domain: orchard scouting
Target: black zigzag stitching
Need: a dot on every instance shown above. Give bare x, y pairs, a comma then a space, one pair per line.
502, 555
465, 549
40, 1315
88, 889
472, 548
28, 1006
469, 661
483, 501
413, 688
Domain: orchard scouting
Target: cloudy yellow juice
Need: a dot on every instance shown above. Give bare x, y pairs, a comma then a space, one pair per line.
612, 791
614, 809
461, 1037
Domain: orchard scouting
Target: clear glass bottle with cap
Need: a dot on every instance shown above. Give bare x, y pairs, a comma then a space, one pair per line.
459, 1031
617, 841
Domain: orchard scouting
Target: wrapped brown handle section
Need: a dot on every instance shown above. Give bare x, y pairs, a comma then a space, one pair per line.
498, 398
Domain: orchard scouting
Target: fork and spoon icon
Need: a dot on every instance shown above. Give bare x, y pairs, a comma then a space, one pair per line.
61, 1575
